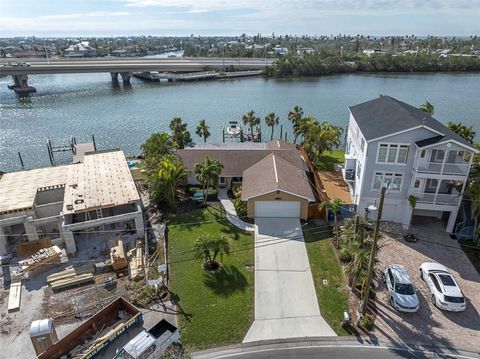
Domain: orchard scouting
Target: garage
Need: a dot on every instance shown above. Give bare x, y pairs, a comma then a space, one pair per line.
277, 209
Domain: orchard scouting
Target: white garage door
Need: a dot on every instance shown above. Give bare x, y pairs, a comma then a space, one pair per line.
285, 209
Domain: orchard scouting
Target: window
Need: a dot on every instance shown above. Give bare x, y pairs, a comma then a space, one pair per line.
422, 154
390, 153
435, 282
382, 178
417, 184
390, 276
359, 170
362, 145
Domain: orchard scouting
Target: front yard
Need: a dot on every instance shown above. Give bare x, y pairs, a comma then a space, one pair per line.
217, 308
332, 296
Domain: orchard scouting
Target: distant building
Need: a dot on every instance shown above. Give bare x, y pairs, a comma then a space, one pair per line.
304, 50
280, 50
374, 52
82, 49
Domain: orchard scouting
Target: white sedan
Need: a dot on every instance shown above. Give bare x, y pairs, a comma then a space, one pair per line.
445, 293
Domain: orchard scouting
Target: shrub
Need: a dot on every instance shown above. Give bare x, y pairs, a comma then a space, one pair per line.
344, 255
366, 322
240, 207
211, 192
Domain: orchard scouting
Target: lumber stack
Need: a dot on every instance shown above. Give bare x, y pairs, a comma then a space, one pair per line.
71, 277
40, 261
136, 264
14, 297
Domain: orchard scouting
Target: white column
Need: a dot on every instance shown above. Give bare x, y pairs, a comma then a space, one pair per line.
3, 242
451, 221
69, 241
31, 231
139, 226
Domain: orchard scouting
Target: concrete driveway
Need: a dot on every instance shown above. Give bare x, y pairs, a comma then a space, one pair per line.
429, 324
286, 304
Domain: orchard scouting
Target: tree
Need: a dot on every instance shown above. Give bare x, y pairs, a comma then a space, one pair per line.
180, 134
207, 171
303, 125
321, 137
271, 120
334, 205
251, 121
294, 117
203, 130
154, 149
165, 181
428, 108
467, 132
208, 248
412, 201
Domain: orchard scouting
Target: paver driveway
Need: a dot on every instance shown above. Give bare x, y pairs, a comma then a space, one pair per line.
286, 304
430, 324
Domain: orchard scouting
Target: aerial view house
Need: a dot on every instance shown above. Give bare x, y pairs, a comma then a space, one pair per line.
389, 141
274, 175
56, 202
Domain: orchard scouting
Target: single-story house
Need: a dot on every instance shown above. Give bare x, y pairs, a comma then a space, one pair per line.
274, 176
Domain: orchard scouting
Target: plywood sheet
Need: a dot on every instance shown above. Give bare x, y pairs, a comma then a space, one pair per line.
14, 297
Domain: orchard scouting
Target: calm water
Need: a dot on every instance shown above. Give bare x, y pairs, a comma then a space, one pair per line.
82, 105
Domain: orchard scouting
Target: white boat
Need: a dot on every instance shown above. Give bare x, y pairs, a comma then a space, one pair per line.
233, 129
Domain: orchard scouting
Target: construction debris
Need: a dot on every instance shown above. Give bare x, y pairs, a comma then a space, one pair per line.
136, 264
31, 247
14, 297
41, 261
117, 256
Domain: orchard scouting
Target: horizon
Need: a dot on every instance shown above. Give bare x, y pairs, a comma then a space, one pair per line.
207, 18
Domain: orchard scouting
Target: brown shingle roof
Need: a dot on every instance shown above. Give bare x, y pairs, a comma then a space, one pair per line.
274, 173
235, 161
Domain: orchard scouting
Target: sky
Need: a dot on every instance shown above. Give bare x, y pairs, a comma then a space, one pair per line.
226, 17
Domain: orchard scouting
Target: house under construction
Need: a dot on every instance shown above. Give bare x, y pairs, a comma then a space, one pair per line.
98, 194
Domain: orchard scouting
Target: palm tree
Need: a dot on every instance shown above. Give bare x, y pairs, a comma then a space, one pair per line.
202, 130
271, 120
334, 205
321, 137
208, 248
251, 121
428, 108
206, 172
180, 134
165, 181
303, 125
357, 268
294, 117
412, 201
467, 132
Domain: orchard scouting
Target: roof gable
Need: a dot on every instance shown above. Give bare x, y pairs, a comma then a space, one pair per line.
386, 116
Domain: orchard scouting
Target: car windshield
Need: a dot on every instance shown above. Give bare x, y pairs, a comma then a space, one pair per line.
405, 289
447, 280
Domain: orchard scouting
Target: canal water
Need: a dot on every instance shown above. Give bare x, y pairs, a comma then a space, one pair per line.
123, 117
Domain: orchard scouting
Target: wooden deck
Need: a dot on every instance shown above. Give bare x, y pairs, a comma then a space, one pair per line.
335, 186
81, 149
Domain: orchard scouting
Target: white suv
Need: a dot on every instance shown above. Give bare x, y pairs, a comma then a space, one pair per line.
402, 293
445, 293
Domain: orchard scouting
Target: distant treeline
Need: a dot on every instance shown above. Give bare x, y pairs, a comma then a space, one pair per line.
318, 64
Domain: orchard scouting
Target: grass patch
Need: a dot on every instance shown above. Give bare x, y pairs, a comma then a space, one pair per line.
218, 308
324, 265
328, 159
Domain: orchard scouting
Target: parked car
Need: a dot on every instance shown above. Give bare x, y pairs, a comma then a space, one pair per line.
403, 296
445, 293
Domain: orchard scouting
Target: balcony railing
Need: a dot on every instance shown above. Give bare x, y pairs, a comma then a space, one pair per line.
448, 168
440, 198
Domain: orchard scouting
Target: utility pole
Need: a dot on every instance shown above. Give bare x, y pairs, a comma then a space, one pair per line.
373, 252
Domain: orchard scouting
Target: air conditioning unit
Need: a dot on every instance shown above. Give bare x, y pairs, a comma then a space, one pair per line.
350, 175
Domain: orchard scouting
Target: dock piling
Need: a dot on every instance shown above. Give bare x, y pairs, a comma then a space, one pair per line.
21, 160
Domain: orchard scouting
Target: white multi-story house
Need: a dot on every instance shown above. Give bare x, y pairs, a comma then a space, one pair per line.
389, 141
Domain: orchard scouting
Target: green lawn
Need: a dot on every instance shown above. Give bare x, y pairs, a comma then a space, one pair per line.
327, 159
324, 265
218, 309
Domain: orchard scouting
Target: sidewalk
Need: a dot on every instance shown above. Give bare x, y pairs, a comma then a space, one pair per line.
231, 213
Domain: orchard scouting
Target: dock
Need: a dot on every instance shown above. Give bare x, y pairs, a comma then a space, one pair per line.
80, 149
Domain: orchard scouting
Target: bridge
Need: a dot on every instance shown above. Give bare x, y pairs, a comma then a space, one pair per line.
20, 69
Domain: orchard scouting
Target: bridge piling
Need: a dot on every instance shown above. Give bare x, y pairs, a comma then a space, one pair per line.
126, 76
20, 84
